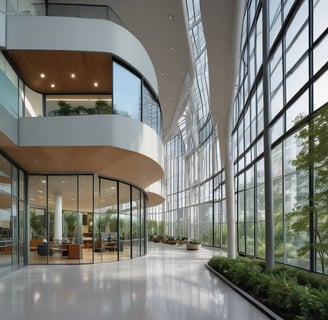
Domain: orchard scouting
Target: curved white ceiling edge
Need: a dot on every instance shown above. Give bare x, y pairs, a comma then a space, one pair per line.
78, 34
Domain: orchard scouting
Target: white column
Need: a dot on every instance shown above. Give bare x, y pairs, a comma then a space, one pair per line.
58, 217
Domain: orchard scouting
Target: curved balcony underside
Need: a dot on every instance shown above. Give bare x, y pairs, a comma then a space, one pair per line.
108, 161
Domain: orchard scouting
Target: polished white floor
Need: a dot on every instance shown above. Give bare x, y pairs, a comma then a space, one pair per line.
170, 283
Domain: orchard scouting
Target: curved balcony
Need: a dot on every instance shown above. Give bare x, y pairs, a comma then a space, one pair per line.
89, 104
113, 146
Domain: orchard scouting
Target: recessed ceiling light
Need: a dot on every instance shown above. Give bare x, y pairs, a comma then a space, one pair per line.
95, 84
52, 85
72, 75
42, 75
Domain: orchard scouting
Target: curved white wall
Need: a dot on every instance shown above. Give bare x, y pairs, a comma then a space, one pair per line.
95, 130
77, 34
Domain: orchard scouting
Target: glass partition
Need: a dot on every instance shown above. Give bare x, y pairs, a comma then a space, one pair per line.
125, 221
74, 220
106, 239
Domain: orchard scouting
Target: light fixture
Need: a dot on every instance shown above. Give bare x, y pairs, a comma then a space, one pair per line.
73, 75
95, 84
52, 85
42, 75
171, 16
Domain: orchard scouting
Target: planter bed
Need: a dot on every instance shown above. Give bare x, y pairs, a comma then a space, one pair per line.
260, 306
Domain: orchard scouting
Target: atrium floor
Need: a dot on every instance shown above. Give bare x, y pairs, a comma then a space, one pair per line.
169, 283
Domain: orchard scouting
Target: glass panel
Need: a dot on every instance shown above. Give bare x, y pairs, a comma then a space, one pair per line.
5, 216
78, 105
274, 19
151, 114
259, 100
65, 240
136, 223
241, 222
86, 212
296, 196
205, 224
3, 6
277, 129
106, 224
297, 36
278, 203
320, 92
320, 10
251, 58
33, 103
8, 87
297, 77
38, 218
249, 211
297, 111
260, 210
22, 219
320, 54
276, 82
126, 92
125, 221
14, 216
142, 226
259, 45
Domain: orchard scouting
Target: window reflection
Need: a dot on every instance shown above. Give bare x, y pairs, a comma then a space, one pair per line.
127, 92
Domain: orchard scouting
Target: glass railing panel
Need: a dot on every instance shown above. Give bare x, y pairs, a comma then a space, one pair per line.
76, 10
32, 103
8, 88
65, 105
3, 6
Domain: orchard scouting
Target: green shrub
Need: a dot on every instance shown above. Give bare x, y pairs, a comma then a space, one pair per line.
291, 292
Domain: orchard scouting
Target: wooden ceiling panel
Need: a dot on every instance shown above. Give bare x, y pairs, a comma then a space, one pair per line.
59, 66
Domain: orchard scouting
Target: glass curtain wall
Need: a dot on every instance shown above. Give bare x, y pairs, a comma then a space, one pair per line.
297, 69
192, 159
12, 217
76, 219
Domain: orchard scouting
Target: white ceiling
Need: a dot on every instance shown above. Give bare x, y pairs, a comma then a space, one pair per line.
166, 41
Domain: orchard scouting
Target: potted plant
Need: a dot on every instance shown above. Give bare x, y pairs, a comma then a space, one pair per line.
193, 245
171, 240
182, 240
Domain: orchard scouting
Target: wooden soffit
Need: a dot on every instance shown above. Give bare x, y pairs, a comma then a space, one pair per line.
58, 72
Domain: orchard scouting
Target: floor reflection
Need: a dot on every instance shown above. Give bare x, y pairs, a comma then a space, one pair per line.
169, 283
